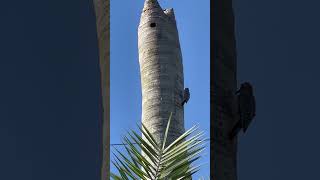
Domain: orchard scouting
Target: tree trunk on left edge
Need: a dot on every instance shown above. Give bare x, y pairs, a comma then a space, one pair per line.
102, 10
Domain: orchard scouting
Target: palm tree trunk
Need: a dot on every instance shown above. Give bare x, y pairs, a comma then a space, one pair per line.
102, 10
223, 87
161, 71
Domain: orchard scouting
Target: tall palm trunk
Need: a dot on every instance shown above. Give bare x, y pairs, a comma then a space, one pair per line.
102, 10
223, 88
161, 71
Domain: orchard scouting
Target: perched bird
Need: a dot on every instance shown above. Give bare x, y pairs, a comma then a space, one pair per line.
246, 108
186, 96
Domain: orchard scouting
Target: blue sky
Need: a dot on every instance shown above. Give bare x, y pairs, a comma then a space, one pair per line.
193, 21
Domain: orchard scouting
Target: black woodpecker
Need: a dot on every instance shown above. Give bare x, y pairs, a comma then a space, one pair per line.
246, 108
186, 96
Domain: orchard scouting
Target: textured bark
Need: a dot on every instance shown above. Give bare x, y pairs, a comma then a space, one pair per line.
223, 88
161, 71
102, 9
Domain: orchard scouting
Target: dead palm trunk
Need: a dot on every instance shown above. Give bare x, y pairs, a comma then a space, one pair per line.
102, 10
161, 71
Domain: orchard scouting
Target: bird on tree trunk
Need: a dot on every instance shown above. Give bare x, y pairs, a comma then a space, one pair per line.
246, 108
186, 96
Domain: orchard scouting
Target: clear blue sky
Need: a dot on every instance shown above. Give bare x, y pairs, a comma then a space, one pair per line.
193, 21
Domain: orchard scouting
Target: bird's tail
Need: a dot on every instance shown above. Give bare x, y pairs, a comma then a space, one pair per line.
184, 101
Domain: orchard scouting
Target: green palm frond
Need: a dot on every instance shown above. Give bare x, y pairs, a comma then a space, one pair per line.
148, 160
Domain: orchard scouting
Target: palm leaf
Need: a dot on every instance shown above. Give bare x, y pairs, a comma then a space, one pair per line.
147, 159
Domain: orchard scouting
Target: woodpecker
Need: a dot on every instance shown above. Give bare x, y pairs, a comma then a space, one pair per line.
246, 108
186, 96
